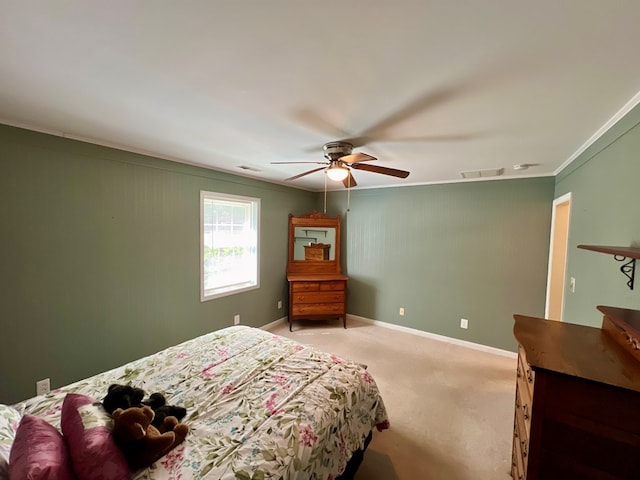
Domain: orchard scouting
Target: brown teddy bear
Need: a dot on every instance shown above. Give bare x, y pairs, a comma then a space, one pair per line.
141, 442
126, 396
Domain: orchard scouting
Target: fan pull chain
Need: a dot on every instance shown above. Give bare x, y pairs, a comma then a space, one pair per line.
349, 194
325, 194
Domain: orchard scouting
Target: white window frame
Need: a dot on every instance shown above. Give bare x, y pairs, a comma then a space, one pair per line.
249, 283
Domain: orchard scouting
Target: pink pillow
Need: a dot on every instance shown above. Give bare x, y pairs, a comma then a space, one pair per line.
39, 452
87, 430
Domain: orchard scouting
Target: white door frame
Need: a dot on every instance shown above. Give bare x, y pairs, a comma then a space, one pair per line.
558, 201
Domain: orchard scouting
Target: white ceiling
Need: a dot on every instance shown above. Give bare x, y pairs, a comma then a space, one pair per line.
438, 87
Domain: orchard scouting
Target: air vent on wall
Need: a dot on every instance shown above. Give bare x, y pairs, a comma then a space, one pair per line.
491, 172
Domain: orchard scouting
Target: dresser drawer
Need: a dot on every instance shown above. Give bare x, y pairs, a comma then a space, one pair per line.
337, 285
518, 465
523, 409
525, 372
523, 427
318, 297
522, 423
525, 388
305, 286
318, 309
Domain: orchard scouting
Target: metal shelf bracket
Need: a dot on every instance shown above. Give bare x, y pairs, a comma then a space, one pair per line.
628, 269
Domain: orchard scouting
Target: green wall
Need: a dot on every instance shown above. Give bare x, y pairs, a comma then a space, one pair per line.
99, 257
605, 193
99, 251
444, 252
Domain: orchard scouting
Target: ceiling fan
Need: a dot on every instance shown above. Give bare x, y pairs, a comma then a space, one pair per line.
340, 161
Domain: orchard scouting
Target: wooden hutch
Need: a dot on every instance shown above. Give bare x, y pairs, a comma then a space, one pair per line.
317, 288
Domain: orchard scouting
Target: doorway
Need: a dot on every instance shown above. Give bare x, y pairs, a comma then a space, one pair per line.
558, 244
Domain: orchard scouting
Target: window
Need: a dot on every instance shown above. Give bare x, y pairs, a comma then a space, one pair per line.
229, 257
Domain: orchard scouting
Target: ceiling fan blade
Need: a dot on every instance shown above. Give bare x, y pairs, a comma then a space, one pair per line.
349, 181
315, 122
472, 82
305, 173
426, 101
487, 77
463, 137
383, 170
291, 163
357, 157
319, 124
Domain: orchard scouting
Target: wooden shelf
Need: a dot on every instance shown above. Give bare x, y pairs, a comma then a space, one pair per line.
629, 252
629, 255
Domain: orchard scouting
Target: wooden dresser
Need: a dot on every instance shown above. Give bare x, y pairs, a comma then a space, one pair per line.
317, 287
317, 297
577, 412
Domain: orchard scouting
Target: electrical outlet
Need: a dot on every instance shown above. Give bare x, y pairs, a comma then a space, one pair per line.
402, 311
43, 387
464, 323
236, 319
279, 304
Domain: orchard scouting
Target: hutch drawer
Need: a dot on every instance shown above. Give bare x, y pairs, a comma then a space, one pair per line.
333, 285
318, 309
319, 297
305, 286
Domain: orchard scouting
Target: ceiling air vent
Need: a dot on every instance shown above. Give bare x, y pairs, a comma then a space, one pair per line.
251, 169
491, 172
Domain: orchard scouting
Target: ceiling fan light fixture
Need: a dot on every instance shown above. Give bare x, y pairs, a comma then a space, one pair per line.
337, 173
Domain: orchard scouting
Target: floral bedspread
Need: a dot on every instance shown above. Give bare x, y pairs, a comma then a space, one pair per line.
259, 406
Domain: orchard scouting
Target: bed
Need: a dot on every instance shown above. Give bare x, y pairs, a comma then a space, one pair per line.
259, 406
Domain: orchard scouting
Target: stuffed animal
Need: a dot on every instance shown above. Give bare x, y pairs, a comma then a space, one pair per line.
122, 396
142, 443
159, 405
126, 396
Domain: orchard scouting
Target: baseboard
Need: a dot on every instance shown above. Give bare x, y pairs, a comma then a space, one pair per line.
413, 331
434, 336
270, 325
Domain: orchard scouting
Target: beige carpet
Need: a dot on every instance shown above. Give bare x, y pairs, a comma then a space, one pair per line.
450, 407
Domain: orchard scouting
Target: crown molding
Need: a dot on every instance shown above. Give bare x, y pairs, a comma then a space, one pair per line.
627, 107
